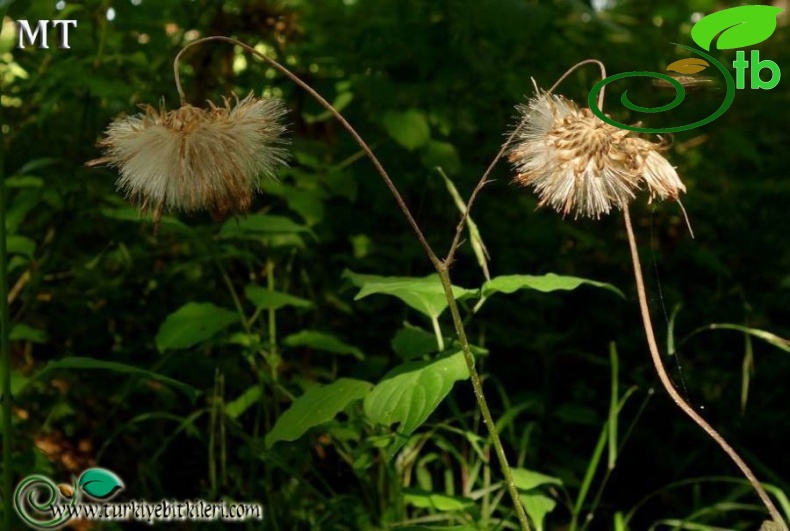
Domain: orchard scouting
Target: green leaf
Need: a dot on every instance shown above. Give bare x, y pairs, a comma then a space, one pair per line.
100, 483
24, 181
424, 294
77, 363
740, 27
411, 342
267, 299
443, 155
261, 224
318, 405
527, 479
132, 214
192, 324
321, 341
537, 506
768, 337
409, 393
21, 245
432, 500
23, 332
409, 128
248, 398
476, 240
545, 283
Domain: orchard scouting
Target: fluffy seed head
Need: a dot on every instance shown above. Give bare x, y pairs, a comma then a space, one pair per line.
578, 163
191, 158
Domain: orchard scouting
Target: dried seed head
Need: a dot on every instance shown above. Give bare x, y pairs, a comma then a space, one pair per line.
191, 158
579, 163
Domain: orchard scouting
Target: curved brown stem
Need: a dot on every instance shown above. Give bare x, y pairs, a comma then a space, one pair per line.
339, 117
667, 383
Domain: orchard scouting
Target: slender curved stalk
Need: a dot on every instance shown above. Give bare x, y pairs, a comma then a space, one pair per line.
440, 265
667, 383
5, 397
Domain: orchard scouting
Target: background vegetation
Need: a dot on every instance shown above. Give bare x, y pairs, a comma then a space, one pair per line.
427, 84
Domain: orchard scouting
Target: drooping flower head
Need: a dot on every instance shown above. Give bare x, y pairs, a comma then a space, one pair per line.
191, 158
579, 164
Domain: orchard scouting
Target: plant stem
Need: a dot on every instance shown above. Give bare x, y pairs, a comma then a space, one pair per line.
667, 383
481, 399
440, 266
4, 336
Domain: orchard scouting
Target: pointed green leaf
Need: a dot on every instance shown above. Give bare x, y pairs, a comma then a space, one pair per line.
100, 483
545, 283
248, 398
318, 405
409, 393
409, 128
476, 240
740, 27
436, 501
261, 224
193, 324
20, 245
772, 339
528, 479
267, 299
78, 363
321, 341
23, 332
537, 506
424, 294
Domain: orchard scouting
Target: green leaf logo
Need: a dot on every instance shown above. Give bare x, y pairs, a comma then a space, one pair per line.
739, 27
100, 483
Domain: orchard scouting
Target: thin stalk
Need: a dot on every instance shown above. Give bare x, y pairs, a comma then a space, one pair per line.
488, 420
440, 266
667, 383
6, 397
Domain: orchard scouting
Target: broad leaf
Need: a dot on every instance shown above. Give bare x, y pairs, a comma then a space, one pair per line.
545, 283
267, 299
318, 405
409, 128
193, 324
740, 27
409, 394
424, 294
321, 341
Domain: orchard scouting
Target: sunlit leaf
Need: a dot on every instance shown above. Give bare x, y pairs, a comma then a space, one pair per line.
267, 299
321, 341
424, 294
409, 393
545, 283
318, 405
193, 324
